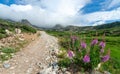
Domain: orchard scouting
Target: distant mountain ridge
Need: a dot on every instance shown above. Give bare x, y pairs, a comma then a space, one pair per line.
109, 29
85, 28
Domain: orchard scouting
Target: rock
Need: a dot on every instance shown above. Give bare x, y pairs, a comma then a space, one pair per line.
54, 65
21, 39
46, 71
17, 31
6, 65
67, 72
106, 72
8, 32
47, 58
29, 71
12, 68
41, 66
98, 67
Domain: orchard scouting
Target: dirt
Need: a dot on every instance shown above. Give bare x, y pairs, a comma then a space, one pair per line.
26, 61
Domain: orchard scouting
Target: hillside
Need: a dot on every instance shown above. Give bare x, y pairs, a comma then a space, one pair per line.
111, 29
11, 26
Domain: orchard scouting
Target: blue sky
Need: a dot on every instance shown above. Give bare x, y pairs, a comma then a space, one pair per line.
94, 6
68, 12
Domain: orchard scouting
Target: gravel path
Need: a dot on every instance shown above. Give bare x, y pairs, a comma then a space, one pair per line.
29, 59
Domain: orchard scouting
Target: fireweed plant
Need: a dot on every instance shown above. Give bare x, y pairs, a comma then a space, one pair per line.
86, 57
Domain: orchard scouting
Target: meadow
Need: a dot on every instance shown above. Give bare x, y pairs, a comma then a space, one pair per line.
112, 43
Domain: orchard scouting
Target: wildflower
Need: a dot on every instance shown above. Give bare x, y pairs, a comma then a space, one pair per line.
83, 45
86, 59
102, 50
105, 58
102, 44
95, 41
73, 38
70, 54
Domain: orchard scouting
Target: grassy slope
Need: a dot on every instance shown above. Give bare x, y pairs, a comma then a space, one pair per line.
10, 25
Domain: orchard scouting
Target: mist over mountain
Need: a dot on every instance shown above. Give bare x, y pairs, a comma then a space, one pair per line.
59, 27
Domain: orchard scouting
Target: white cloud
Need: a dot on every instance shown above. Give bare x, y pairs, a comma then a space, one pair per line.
44, 12
102, 16
50, 12
114, 3
110, 4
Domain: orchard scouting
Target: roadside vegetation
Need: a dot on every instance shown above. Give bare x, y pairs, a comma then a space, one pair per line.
111, 38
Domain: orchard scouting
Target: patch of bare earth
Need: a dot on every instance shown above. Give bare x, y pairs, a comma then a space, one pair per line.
29, 59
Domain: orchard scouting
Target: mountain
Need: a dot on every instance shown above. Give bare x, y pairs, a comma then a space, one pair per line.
110, 29
59, 27
25, 21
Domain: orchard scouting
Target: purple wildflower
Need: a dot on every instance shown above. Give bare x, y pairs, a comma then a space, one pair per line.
102, 50
83, 45
95, 41
105, 58
102, 44
73, 38
70, 54
86, 59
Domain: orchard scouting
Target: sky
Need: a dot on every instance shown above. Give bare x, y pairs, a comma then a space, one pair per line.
47, 13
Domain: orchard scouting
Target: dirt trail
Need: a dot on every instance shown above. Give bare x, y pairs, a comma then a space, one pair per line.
25, 61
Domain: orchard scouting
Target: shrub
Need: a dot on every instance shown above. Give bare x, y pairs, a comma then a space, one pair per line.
2, 35
28, 29
84, 56
64, 63
4, 57
8, 50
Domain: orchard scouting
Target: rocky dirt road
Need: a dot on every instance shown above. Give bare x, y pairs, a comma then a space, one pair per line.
30, 59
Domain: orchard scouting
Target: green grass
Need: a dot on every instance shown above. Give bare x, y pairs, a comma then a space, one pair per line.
7, 53
8, 50
112, 43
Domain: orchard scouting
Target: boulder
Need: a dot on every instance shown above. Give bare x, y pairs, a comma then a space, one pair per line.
17, 31
8, 32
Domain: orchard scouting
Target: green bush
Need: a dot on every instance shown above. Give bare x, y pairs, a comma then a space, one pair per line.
64, 63
2, 36
8, 50
4, 57
26, 28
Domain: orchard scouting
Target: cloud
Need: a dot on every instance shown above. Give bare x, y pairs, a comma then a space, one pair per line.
114, 3
44, 12
110, 4
47, 13
102, 16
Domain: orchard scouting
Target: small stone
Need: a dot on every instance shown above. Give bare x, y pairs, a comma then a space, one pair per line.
6, 65
67, 72
12, 68
47, 58
29, 70
106, 72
